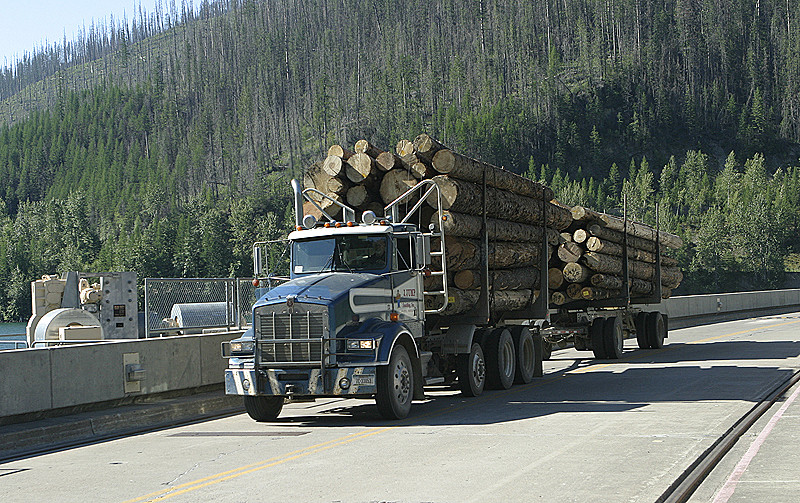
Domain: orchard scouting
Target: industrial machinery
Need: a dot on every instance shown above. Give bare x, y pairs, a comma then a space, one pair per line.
72, 308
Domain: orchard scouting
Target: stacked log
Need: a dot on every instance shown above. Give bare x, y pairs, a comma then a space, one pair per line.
591, 259
585, 248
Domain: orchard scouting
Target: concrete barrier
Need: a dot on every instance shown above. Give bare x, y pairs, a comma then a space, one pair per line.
690, 310
40, 379
45, 379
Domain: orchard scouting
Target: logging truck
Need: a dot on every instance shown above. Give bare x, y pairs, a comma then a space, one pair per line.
378, 306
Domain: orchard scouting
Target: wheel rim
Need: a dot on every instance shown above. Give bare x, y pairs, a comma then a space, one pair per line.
402, 382
478, 370
508, 358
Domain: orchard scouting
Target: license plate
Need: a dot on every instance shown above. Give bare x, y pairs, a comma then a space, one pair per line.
364, 380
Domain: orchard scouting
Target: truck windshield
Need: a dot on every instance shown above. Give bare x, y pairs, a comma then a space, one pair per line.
341, 253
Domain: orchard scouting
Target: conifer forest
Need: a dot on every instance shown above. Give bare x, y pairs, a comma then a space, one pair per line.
164, 143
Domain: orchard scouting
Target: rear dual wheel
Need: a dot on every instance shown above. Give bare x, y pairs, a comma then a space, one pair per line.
607, 338
651, 329
471, 370
501, 359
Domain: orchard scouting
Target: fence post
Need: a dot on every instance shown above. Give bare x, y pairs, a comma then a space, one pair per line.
146, 312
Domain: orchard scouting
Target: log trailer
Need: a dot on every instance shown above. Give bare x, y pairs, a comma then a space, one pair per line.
355, 318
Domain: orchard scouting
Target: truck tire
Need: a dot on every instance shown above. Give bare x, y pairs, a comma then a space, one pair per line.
471, 370
547, 350
613, 337
395, 383
640, 322
501, 359
263, 408
526, 354
656, 330
596, 336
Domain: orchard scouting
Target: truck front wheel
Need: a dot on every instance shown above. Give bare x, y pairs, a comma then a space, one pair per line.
395, 385
263, 408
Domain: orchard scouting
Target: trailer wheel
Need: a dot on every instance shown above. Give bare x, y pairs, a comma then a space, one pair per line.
640, 323
263, 408
656, 330
500, 359
596, 336
613, 337
395, 383
526, 354
471, 370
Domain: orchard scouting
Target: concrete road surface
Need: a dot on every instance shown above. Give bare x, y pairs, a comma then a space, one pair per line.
586, 431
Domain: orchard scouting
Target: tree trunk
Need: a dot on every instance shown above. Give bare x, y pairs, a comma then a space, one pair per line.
386, 161
404, 148
576, 273
334, 166
365, 147
395, 183
558, 298
596, 244
569, 252
671, 277
580, 235
464, 168
469, 226
607, 281
358, 196
426, 146
359, 167
339, 151
555, 277
420, 170
617, 237
462, 301
465, 254
574, 291
500, 279
595, 293
338, 185
461, 196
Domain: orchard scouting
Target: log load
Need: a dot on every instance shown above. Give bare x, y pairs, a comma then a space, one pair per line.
584, 247
450, 163
576, 273
633, 228
360, 167
469, 226
462, 301
465, 254
499, 279
395, 183
466, 197
339, 151
365, 147
671, 277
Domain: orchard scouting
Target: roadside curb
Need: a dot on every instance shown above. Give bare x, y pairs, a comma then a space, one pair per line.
24, 439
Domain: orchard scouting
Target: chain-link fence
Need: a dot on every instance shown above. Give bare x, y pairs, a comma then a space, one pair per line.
177, 306
188, 305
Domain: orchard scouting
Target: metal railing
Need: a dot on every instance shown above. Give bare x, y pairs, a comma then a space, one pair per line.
178, 306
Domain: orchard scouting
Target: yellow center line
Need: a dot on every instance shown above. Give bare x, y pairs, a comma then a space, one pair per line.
301, 453
278, 460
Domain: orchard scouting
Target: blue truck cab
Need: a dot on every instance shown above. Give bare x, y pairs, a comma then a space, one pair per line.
347, 323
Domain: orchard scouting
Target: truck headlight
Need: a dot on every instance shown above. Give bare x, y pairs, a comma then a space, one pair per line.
242, 347
357, 344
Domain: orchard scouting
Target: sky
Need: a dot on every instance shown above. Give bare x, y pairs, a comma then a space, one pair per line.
25, 25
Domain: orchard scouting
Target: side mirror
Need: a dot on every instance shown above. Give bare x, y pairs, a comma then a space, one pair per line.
258, 262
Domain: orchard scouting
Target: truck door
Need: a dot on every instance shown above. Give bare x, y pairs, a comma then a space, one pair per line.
407, 280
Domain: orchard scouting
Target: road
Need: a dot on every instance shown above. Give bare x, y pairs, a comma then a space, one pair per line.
586, 431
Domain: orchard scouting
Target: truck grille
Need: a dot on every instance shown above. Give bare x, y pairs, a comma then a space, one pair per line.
293, 337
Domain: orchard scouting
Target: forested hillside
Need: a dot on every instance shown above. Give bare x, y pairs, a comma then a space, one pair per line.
164, 144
